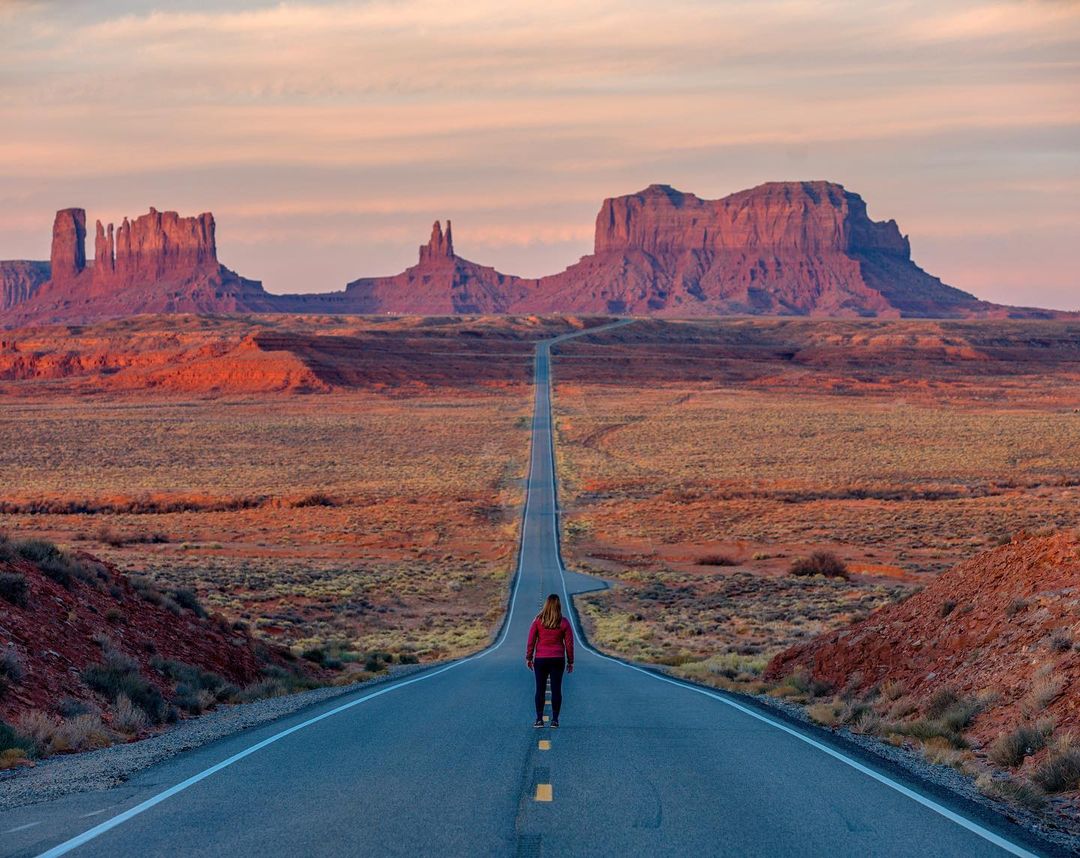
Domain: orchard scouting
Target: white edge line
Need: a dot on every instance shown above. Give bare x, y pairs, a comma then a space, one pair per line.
952, 816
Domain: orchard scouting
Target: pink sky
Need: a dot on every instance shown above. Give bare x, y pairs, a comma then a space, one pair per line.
326, 136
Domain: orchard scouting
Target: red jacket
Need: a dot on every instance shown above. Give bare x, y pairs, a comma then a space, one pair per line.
551, 643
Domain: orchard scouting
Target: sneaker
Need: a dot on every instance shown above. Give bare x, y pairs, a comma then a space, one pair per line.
539, 722
555, 722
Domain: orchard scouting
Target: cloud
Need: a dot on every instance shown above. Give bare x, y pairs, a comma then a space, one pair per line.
535, 111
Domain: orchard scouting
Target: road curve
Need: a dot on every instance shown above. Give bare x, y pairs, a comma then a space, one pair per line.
446, 762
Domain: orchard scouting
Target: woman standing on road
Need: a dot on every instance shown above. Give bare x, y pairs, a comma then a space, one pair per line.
551, 639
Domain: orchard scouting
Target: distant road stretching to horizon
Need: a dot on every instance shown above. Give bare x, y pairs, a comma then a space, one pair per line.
446, 762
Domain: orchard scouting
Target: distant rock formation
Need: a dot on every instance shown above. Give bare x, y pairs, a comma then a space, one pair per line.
154, 247
782, 248
20, 280
68, 256
441, 282
439, 246
159, 262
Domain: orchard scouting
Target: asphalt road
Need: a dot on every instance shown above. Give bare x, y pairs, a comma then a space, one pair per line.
446, 762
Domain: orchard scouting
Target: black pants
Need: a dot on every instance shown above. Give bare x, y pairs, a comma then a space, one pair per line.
553, 668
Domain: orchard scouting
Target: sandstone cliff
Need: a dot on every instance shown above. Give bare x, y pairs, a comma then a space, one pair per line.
790, 248
20, 280
441, 282
159, 262
783, 248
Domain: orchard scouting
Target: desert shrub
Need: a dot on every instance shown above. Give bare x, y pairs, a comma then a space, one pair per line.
946, 717
127, 717
119, 674
1044, 690
114, 616
316, 655
902, 707
14, 588
1015, 607
1010, 749
147, 590
946, 608
11, 758
1060, 771
716, 560
108, 536
11, 738
196, 689
69, 707
819, 563
276, 681
940, 702
1011, 790
408, 658
38, 727
315, 499
189, 699
892, 690
188, 600
1061, 640
52, 736
925, 729
11, 665
939, 751
801, 683
58, 565
81, 733
827, 713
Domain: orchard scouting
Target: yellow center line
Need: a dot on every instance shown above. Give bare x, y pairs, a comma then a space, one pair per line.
544, 745
543, 792
547, 718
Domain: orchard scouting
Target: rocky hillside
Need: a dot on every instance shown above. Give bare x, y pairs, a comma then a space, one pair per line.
89, 656
783, 248
1002, 628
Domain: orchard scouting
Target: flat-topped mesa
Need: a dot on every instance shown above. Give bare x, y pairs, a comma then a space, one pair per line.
439, 247
155, 247
785, 216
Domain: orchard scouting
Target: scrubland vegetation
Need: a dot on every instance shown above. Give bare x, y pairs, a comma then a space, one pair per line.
364, 523
744, 502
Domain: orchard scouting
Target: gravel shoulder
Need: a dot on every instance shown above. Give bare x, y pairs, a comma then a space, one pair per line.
98, 770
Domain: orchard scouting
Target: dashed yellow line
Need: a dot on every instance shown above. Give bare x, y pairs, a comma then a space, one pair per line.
547, 718
543, 792
544, 745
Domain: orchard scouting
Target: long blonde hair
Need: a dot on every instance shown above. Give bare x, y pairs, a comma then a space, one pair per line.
551, 616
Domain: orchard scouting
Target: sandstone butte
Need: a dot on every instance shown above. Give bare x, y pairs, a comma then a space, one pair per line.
987, 628
783, 248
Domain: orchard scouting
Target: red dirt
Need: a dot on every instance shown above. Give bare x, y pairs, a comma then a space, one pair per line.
271, 354
987, 626
53, 637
